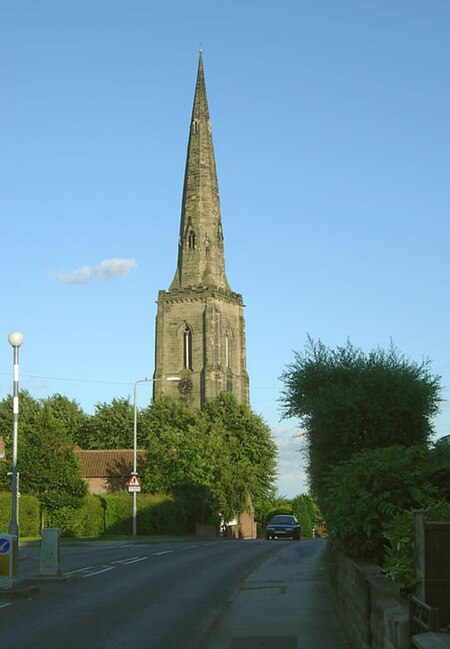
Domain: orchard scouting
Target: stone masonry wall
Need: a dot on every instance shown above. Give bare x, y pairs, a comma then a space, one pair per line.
374, 613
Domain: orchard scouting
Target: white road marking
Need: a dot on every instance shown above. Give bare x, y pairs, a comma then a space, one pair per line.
73, 572
190, 547
158, 554
4, 604
98, 572
129, 560
135, 560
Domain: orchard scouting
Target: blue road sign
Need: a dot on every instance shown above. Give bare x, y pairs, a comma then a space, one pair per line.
5, 546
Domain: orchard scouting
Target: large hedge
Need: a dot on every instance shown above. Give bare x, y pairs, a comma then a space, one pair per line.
365, 493
349, 401
367, 422
158, 514
28, 513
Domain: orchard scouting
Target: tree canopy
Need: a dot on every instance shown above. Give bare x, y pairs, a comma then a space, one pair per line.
363, 494
226, 449
367, 420
111, 426
348, 401
47, 465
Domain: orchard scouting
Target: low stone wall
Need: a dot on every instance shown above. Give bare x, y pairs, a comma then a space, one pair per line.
374, 613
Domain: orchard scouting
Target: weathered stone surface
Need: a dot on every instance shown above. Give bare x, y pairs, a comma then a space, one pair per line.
374, 613
200, 329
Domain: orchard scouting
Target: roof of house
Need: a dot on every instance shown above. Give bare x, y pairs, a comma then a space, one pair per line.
107, 463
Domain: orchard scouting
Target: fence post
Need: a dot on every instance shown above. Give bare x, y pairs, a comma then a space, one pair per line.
419, 532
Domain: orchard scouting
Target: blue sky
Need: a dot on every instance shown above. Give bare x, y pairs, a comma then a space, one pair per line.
331, 126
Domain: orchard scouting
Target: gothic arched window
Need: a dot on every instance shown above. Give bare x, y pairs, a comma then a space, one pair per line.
187, 348
191, 240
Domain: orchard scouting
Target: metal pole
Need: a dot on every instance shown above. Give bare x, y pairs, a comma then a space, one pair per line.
135, 458
14, 523
146, 380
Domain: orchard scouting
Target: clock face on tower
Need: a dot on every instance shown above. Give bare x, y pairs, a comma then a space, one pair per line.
185, 386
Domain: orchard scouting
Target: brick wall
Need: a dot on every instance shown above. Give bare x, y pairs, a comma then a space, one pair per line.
374, 613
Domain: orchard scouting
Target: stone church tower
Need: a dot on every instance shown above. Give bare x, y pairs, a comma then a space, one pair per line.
200, 329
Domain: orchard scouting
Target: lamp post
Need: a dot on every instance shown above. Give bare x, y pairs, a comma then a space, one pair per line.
134, 472
15, 339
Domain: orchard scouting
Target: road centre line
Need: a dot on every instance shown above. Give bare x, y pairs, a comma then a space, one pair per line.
4, 604
98, 572
190, 547
158, 554
129, 560
73, 572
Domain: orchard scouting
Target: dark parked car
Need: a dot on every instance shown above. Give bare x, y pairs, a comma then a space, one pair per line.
283, 526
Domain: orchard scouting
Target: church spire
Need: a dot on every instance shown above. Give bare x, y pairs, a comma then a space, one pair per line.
201, 258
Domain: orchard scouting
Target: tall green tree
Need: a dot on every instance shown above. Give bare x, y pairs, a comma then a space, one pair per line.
46, 463
246, 449
29, 409
176, 445
348, 401
303, 509
70, 416
226, 449
111, 426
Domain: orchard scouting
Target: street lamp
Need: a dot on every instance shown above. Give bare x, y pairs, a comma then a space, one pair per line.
15, 339
134, 472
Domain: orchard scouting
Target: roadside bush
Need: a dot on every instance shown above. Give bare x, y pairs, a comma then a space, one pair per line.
369, 490
348, 401
302, 510
400, 555
157, 514
85, 521
161, 515
118, 512
28, 514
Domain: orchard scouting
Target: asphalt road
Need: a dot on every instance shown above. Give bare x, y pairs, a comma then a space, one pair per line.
136, 596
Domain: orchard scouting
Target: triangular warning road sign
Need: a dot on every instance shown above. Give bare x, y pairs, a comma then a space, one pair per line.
133, 481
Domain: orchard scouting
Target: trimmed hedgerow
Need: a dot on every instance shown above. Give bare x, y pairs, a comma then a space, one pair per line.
28, 513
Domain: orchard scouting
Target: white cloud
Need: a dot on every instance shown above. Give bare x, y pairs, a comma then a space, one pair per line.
105, 270
81, 276
291, 465
111, 268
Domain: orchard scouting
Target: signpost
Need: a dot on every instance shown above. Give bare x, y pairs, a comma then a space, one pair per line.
133, 484
8, 564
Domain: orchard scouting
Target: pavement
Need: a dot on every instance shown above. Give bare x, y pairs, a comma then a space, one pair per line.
283, 604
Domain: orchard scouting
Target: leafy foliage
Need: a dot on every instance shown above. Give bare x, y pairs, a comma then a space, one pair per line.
305, 510
400, 558
29, 513
366, 492
348, 401
47, 464
217, 455
111, 426
72, 420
